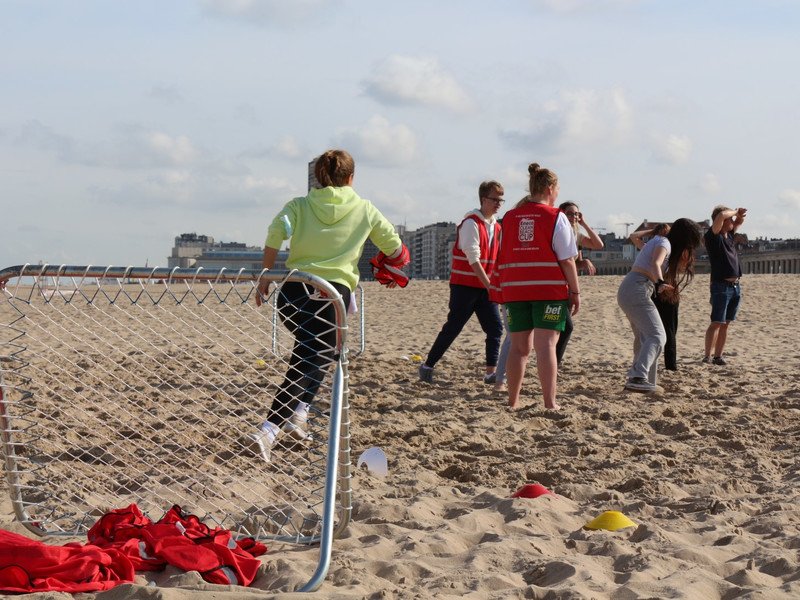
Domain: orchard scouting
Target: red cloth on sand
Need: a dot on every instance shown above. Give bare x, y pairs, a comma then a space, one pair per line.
121, 542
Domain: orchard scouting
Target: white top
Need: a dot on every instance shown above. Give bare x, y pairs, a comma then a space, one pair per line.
564, 244
645, 258
469, 238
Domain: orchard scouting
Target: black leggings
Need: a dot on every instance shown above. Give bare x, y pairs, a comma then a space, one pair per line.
669, 318
313, 323
563, 339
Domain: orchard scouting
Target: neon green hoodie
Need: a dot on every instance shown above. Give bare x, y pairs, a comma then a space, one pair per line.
328, 229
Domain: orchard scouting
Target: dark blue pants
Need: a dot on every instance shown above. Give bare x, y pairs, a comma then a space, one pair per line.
464, 302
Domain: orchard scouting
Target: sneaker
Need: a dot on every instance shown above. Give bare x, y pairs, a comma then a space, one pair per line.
426, 374
718, 360
706, 360
639, 384
490, 378
264, 440
295, 427
296, 432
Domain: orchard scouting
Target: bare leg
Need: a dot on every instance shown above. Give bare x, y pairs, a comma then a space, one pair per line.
544, 342
711, 337
521, 343
722, 337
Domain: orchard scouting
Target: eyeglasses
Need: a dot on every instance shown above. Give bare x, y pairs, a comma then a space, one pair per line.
571, 213
495, 200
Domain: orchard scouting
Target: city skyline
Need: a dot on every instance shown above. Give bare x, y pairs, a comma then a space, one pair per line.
127, 124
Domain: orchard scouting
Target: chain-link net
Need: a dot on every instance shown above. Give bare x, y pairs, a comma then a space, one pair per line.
149, 386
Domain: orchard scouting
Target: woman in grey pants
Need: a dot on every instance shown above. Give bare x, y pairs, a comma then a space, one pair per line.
670, 258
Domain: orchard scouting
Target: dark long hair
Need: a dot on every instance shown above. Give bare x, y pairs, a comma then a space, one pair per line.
684, 237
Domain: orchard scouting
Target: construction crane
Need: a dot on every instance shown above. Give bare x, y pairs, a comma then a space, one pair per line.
627, 225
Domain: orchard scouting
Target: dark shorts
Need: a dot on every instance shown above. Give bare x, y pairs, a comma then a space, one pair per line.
537, 314
725, 298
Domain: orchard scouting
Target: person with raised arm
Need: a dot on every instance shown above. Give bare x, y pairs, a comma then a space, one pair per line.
726, 290
648, 277
589, 240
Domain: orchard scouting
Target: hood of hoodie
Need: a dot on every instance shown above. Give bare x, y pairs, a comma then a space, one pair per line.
331, 204
479, 214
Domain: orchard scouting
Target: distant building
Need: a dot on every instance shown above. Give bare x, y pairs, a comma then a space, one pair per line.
312, 179
188, 246
431, 249
193, 251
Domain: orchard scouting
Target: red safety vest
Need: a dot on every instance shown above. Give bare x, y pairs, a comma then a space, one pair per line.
460, 271
527, 265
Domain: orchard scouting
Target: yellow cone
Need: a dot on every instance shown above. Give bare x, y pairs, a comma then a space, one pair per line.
611, 520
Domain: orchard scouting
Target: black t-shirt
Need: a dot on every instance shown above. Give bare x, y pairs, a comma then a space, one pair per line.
722, 256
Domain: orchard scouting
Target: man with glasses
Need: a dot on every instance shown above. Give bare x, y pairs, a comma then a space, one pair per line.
474, 255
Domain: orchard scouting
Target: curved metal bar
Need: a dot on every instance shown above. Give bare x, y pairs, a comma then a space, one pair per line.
326, 541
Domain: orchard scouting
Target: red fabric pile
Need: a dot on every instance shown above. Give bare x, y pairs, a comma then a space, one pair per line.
124, 541
388, 271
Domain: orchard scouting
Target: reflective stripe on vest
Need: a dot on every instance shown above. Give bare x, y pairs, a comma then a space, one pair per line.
529, 270
461, 272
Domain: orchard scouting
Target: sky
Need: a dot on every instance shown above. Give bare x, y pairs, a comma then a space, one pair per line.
125, 124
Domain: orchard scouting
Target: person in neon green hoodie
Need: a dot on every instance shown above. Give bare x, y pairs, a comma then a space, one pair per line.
328, 228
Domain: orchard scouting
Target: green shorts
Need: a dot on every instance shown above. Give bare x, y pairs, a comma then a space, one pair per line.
537, 314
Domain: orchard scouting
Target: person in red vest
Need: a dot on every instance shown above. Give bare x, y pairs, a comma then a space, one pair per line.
474, 255
538, 282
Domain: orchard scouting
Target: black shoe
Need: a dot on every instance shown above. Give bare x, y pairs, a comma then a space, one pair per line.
639, 384
718, 360
490, 378
426, 374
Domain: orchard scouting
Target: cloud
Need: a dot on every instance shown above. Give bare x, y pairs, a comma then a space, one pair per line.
268, 12
709, 184
620, 223
165, 93
246, 113
408, 80
197, 189
671, 149
379, 142
574, 121
286, 147
790, 198
582, 5
43, 137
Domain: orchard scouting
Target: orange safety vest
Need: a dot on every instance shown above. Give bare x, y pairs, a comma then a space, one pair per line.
460, 271
527, 265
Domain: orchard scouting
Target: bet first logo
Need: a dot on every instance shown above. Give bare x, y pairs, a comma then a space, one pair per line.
552, 312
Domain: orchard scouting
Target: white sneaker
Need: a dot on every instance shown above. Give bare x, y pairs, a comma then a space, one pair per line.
264, 439
295, 426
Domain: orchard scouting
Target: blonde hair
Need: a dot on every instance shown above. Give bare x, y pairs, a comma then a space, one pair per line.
334, 168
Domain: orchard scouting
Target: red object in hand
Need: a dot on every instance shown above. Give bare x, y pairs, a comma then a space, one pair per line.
388, 271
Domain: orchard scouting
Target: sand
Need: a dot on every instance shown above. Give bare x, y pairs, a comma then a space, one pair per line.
708, 470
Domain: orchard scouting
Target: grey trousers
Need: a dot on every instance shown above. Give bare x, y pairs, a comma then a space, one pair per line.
634, 298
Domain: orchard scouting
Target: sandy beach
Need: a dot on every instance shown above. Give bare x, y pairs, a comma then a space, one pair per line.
708, 470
